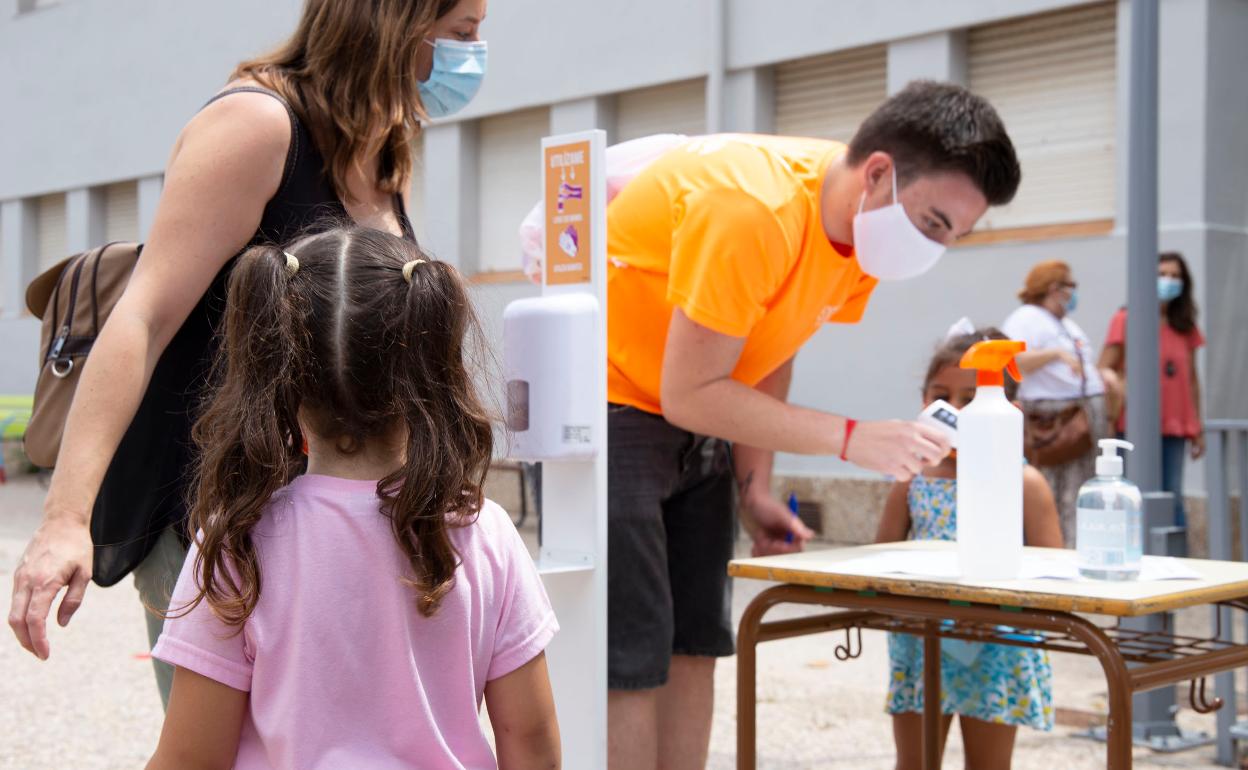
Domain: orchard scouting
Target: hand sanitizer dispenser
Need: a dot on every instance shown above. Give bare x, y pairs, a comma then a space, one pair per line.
551, 363
1109, 528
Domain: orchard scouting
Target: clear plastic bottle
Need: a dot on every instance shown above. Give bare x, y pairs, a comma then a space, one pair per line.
1109, 527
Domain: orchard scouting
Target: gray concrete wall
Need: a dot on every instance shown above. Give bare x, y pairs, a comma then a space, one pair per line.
1226, 209
19, 355
769, 32
96, 90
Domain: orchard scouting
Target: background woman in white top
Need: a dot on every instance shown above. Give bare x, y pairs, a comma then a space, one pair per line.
1059, 371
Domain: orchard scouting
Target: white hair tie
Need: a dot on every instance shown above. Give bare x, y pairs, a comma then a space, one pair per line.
292, 263
409, 267
960, 328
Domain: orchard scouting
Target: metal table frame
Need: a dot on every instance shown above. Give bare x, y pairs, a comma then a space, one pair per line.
1158, 658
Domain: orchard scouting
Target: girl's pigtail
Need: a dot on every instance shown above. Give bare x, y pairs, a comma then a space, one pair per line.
248, 435
449, 434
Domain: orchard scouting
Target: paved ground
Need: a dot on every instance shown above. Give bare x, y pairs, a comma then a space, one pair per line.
94, 704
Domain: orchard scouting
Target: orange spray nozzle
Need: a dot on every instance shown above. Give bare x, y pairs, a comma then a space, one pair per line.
992, 358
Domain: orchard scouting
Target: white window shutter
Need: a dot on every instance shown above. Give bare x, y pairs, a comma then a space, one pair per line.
674, 108
827, 97
50, 229
1053, 79
509, 183
121, 212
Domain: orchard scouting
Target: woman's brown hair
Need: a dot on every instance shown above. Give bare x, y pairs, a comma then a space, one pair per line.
1040, 280
348, 344
349, 72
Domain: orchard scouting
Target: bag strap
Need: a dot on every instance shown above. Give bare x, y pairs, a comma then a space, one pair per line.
97, 255
1083, 370
292, 152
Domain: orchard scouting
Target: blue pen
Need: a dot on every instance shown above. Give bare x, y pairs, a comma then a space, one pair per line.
1019, 637
788, 538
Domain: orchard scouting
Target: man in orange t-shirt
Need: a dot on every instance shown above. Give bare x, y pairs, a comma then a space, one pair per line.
726, 254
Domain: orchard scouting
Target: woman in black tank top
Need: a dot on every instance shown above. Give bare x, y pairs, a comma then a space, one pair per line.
265, 160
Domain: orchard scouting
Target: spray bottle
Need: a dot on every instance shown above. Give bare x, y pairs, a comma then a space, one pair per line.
1109, 532
990, 467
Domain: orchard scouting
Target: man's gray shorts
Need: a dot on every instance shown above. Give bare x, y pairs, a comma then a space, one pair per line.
670, 533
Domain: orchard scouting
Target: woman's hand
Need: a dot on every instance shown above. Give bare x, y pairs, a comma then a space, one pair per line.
1198, 445
1071, 360
772, 526
896, 448
58, 556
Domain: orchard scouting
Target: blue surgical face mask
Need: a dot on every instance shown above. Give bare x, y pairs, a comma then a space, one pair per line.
458, 69
1169, 288
1073, 302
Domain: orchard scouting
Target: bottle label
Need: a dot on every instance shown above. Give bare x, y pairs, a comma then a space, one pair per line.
1105, 539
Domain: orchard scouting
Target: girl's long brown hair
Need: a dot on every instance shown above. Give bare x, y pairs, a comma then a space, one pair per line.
349, 72
347, 340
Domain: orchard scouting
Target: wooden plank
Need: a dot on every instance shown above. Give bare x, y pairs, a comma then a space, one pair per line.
1223, 580
1090, 229
498, 276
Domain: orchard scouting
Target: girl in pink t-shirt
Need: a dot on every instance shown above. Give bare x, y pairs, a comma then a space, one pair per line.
357, 613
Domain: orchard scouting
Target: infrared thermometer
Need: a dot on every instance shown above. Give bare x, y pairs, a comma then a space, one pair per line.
944, 417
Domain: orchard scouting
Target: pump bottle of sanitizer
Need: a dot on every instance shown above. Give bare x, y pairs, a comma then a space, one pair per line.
1109, 533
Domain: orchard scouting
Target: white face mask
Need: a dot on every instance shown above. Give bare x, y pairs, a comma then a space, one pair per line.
888, 245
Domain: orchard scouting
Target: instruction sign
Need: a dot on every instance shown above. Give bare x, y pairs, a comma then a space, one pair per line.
569, 231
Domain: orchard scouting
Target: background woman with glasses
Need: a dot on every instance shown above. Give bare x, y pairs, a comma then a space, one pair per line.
1060, 377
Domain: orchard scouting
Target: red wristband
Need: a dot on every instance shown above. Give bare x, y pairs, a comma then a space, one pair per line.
850, 424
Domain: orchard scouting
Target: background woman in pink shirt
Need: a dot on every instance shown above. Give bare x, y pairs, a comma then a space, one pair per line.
356, 614
1180, 379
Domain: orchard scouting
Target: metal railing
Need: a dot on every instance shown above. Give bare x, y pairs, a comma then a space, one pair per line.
1222, 436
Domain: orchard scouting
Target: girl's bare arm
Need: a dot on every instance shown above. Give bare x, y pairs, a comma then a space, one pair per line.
1041, 524
895, 522
522, 713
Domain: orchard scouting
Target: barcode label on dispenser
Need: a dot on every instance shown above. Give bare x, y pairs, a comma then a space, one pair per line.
576, 434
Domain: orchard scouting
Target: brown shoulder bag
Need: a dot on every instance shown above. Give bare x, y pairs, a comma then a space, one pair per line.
1056, 438
74, 298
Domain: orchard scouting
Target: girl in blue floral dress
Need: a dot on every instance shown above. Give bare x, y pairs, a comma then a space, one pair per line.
993, 688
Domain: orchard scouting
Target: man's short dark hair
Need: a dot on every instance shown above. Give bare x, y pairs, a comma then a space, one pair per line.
929, 127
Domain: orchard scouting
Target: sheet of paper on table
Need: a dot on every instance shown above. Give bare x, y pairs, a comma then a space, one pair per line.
944, 564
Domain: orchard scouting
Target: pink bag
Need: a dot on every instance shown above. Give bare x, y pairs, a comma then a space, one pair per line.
624, 161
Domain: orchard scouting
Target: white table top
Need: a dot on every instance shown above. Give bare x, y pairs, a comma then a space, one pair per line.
1219, 581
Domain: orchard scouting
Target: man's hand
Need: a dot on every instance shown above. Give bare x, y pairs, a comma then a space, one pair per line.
58, 556
772, 526
896, 448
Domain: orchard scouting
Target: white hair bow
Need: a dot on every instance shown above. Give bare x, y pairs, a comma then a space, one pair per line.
960, 328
